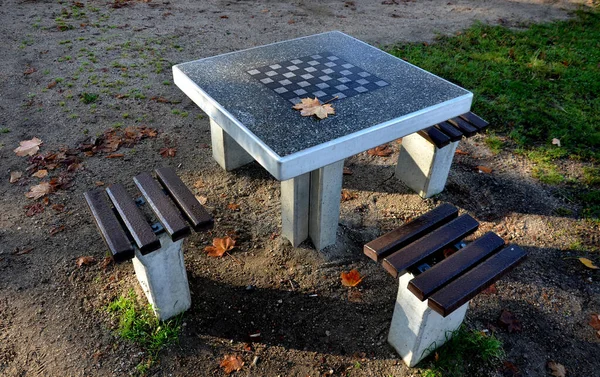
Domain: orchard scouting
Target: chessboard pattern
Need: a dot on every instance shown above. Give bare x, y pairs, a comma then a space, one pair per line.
323, 75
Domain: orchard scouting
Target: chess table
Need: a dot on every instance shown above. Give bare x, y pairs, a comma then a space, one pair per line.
249, 96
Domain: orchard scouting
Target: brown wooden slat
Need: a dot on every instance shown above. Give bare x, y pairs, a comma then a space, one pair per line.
461, 290
437, 137
385, 245
455, 265
166, 212
137, 225
435, 241
110, 228
185, 200
475, 120
454, 133
464, 126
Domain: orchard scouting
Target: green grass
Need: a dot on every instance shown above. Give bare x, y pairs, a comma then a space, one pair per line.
465, 354
533, 85
139, 324
88, 98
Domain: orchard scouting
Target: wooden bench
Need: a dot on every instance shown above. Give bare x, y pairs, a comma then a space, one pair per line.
434, 290
426, 156
155, 249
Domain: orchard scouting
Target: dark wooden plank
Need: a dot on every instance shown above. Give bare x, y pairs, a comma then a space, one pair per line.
454, 133
385, 245
435, 136
475, 120
455, 265
137, 225
195, 213
110, 228
464, 126
166, 212
461, 290
439, 239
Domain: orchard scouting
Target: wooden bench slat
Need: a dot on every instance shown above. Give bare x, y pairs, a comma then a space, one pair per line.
454, 133
197, 216
109, 226
385, 245
461, 290
137, 225
166, 212
475, 120
430, 281
435, 241
437, 137
464, 126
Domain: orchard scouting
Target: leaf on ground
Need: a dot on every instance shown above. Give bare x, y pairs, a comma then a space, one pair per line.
23, 252
556, 369
351, 279
57, 229
59, 207
381, 151
491, 290
460, 151
199, 184
588, 263
220, 246
51, 85
40, 190
347, 195
354, 296
509, 321
309, 107
595, 323
510, 370
484, 169
347, 171
147, 131
115, 155
201, 199
34, 209
556, 142
99, 183
85, 261
29, 71
15, 176
28, 147
40, 173
168, 152
231, 363
233, 206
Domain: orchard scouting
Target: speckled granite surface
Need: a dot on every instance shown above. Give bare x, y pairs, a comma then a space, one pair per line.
269, 116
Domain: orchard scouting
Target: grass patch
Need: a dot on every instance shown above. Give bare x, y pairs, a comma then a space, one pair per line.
494, 143
533, 85
88, 98
4, 130
139, 324
466, 354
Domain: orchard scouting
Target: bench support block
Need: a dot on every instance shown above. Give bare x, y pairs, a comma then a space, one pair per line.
226, 151
325, 195
416, 330
295, 195
163, 278
422, 166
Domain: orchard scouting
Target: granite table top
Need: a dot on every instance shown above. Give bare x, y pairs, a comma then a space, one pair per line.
250, 94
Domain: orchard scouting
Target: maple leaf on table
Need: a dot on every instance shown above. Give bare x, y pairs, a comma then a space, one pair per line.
28, 147
309, 107
352, 278
220, 246
231, 363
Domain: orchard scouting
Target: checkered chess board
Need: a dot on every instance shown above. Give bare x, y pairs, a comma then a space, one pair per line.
323, 76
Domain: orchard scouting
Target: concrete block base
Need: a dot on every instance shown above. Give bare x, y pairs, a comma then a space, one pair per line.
416, 330
226, 151
163, 278
422, 166
295, 208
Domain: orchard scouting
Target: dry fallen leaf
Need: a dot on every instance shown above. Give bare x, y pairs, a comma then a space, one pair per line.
509, 321
201, 199
381, 151
510, 370
233, 206
347, 171
556, 142
351, 279
40, 173
28, 147
34, 209
99, 183
484, 169
309, 107
556, 369
57, 229
460, 151
40, 190
491, 290
115, 155
168, 152
15, 176
29, 71
588, 263
23, 252
199, 184
220, 246
85, 260
347, 195
595, 323
59, 207
231, 363
51, 85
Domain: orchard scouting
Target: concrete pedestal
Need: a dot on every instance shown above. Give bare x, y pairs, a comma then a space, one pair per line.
422, 166
295, 203
163, 278
416, 330
226, 151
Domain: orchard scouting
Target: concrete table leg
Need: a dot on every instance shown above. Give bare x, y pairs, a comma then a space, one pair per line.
325, 194
416, 330
295, 208
226, 151
163, 278
422, 166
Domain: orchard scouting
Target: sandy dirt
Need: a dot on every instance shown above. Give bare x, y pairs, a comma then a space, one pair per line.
57, 55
